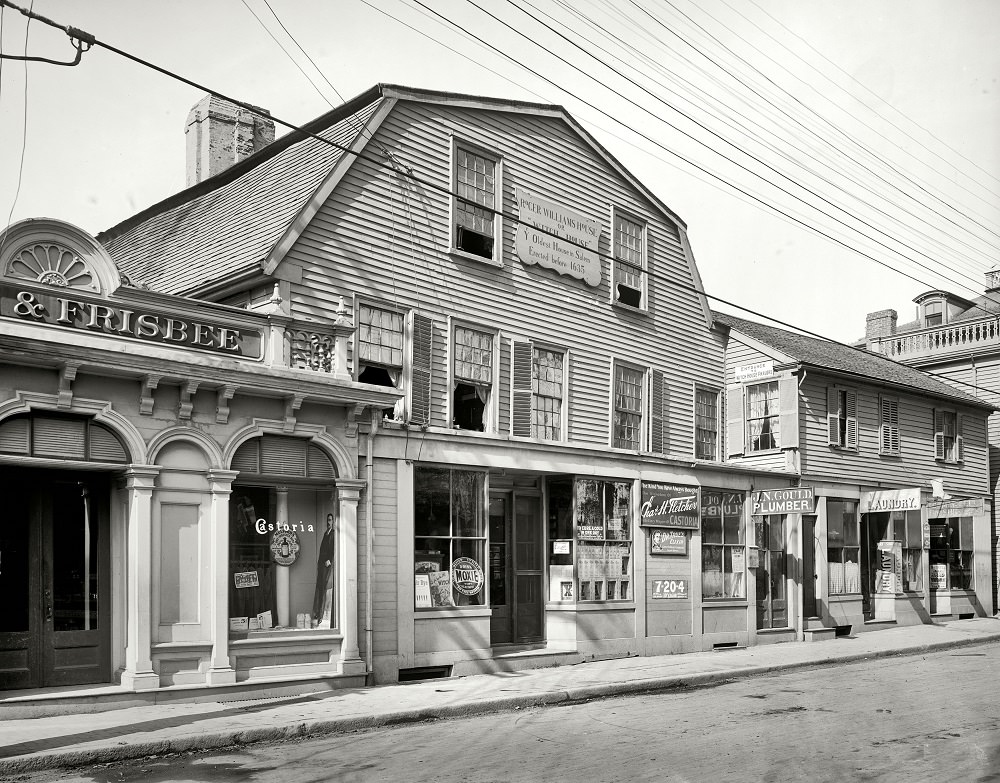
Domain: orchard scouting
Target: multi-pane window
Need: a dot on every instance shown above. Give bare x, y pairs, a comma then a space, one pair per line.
948, 436
723, 550
762, 417
842, 417
380, 350
951, 553
604, 540
933, 314
627, 423
706, 424
629, 283
473, 379
772, 599
450, 537
475, 186
906, 528
842, 547
547, 394
888, 431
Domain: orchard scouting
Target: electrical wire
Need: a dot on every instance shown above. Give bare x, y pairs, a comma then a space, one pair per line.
716, 135
24, 135
435, 186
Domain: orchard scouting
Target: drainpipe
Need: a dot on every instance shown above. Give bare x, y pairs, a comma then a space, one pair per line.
375, 414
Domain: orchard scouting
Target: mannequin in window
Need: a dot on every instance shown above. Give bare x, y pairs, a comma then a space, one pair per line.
323, 596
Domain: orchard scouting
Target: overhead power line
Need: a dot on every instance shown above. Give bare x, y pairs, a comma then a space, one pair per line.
306, 133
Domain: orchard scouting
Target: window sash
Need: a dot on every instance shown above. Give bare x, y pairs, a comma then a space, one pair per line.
475, 184
706, 424
473, 356
628, 407
380, 336
763, 417
547, 379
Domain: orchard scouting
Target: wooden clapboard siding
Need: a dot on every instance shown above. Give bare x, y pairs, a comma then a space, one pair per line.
915, 465
384, 609
379, 235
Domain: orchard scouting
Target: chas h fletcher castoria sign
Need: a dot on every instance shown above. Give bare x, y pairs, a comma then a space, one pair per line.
669, 505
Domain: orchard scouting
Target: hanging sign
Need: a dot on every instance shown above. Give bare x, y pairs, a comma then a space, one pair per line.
668, 505
890, 500
284, 547
568, 244
670, 588
793, 500
466, 576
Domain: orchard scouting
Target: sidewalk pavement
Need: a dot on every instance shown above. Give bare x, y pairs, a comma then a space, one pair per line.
135, 732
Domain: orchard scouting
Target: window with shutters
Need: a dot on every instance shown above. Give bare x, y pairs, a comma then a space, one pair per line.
476, 178
380, 344
706, 423
473, 377
763, 422
888, 430
539, 383
842, 417
629, 284
626, 424
948, 436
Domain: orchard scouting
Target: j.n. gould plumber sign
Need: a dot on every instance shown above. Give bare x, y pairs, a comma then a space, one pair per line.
567, 243
792, 500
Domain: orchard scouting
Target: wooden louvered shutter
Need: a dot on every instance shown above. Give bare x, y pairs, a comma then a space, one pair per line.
657, 433
420, 369
938, 434
833, 416
788, 410
735, 428
521, 390
851, 405
889, 428
504, 394
58, 438
959, 438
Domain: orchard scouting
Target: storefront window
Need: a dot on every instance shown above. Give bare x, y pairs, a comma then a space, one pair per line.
951, 553
281, 559
450, 542
906, 529
604, 540
723, 551
842, 547
772, 603
560, 507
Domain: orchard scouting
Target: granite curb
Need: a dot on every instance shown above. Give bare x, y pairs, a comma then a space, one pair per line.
477, 706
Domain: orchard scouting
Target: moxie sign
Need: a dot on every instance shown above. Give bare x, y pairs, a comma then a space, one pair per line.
81, 313
668, 505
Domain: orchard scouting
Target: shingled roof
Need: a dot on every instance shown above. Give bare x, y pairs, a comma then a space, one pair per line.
840, 358
224, 227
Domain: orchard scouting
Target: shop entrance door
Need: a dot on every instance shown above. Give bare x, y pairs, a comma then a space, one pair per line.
809, 573
874, 528
517, 596
54, 568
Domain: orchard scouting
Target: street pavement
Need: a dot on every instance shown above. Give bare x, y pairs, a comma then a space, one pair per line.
32, 744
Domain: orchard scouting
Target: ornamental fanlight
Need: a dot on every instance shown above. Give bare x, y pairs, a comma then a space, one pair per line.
52, 264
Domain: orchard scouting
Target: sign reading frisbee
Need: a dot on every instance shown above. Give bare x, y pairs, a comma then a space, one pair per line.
466, 576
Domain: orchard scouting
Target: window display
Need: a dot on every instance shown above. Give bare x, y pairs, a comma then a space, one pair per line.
906, 529
723, 551
951, 552
275, 538
450, 541
843, 547
604, 540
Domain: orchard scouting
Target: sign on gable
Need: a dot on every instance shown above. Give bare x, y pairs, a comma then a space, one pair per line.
567, 244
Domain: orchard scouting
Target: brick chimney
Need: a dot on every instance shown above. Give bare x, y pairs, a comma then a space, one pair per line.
880, 324
220, 133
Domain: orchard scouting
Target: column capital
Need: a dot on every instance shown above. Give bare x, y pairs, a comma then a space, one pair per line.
222, 480
350, 489
141, 476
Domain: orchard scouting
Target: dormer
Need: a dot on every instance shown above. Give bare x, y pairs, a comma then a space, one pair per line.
993, 279
936, 308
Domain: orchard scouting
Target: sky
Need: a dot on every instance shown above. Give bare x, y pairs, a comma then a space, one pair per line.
829, 159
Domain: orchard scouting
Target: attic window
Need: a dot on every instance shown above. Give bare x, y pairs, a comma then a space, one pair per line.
476, 177
934, 313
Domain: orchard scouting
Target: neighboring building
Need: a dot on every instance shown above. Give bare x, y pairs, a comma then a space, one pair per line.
461, 334
958, 340
896, 509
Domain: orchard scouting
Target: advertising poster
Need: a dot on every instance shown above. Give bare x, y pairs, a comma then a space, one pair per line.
669, 505
668, 542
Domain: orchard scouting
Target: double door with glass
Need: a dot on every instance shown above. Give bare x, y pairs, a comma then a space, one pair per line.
54, 568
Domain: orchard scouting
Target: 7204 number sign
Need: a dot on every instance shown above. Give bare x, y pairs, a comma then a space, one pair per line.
670, 588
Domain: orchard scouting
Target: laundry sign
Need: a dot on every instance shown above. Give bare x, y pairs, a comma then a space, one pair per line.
890, 500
